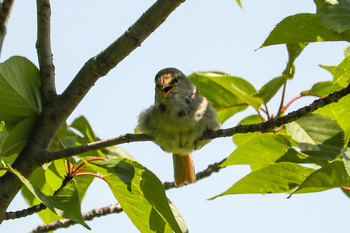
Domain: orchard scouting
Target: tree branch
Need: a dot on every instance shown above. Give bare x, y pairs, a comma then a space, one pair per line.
261, 127
54, 115
43, 46
5, 11
117, 208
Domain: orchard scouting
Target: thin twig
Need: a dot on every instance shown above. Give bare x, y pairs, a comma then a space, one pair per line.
117, 208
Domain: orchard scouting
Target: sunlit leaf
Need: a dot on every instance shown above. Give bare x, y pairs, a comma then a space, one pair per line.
64, 203
341, 74
141, 194
271, 88
322, 89
19, 91
274, 178
346, 158
332, 175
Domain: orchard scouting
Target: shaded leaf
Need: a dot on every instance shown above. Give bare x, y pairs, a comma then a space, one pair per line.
19, 91
332, 175
302, 28
317, 135
274, 178
141, 195
335, 14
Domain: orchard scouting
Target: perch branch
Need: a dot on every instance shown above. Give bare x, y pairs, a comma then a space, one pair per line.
5, 12
43, 46
117, 208
261, 127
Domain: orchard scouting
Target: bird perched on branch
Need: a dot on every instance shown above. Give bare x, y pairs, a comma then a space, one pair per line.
177, 120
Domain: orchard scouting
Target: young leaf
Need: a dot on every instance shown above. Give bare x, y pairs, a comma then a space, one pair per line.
19, 91
18, 136
317, 135
65, 203
274, 178
335, 14
332, 175
301, 28
141, 194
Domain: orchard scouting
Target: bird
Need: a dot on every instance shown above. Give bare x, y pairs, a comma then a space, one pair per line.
177, 120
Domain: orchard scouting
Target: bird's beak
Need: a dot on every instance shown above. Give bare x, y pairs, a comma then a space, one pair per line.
166, 89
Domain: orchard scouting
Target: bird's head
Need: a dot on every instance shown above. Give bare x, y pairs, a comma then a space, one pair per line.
170, 81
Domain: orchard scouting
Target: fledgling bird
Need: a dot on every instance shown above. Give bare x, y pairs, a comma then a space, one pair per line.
176, 121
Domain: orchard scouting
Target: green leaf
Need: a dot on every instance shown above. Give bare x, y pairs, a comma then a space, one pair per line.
302, 28
227, 94
65, 203
339, 111
322, 89
19, 91
275, 178
317, 135
341, 73
271, 88
268, 148
335, 14
18, 137
141, 195
332, 175
240, 138
330, 69
347, 51
346, 159
294, 50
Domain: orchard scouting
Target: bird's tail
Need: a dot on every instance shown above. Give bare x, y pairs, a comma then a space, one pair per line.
183, 169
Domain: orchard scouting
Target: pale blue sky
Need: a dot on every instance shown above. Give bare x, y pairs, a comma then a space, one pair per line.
198, 36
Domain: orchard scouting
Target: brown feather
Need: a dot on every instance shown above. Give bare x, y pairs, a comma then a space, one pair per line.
183, 169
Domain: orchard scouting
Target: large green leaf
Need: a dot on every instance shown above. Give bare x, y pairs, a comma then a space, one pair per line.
339, 111
64, 203
335, 14
317, 135
141, 194
267, 148
19, 90
346, 158
332, 175
302, 28
227, 94
18, 137
275, 178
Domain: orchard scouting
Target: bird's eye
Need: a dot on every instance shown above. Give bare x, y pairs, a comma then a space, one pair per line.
174, 81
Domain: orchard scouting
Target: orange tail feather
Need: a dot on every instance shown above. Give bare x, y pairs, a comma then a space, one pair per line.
183, 169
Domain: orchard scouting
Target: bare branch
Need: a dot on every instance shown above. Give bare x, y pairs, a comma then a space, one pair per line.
43, 46
25, 212
5, 12
126, 138
117, 208
64, 223
261, 127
